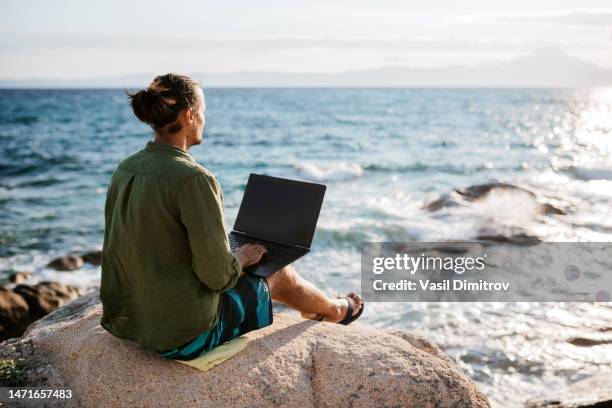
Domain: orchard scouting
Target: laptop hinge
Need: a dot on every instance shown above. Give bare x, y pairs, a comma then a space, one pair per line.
260, 238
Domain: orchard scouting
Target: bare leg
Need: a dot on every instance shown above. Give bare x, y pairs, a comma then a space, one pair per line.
287, 287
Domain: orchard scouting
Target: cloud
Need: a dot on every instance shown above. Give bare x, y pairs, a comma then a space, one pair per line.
23, 43
76, 56
575, 17
393, 59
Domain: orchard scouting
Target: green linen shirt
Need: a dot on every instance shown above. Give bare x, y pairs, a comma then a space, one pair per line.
166, 257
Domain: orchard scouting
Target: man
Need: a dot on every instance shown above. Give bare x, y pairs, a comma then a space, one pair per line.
169, 279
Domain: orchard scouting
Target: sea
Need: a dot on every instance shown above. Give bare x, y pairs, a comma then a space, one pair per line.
383, 154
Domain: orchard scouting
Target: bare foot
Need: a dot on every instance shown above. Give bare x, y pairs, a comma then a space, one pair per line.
309, 316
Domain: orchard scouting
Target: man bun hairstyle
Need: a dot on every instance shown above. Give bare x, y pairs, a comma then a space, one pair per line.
159, 104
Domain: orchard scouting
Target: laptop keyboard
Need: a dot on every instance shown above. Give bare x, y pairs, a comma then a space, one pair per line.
234, 243
275, 254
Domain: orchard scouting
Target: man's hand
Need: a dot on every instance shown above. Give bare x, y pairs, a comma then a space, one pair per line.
250, 254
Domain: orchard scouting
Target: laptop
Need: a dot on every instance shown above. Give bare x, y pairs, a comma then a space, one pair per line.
280, 214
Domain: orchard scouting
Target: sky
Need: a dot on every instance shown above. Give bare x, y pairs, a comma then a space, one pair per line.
75, 39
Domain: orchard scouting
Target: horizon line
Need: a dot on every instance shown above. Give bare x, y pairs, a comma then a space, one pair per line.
314, 87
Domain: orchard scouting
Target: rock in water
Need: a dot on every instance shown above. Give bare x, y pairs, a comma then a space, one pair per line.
66, 263
19, 277
476, 192
293, 363
45, 297
593, 392
93, 257
587, 342
470, 194
516, 239
547, 208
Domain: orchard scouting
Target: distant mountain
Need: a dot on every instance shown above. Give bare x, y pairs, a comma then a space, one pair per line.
545, 68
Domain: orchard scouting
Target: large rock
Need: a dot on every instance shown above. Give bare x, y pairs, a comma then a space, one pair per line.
293, 363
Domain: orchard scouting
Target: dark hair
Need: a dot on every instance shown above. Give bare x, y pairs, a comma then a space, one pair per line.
160, 104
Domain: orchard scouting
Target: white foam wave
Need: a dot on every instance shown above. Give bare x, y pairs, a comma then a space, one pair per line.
88, 276
500, 212
508, 207
329, 172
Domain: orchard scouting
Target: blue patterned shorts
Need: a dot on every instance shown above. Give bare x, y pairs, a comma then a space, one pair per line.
245, 307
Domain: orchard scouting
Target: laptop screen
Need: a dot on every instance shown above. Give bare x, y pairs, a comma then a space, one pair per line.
280, 210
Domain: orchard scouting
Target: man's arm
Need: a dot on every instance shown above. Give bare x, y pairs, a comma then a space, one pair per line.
201, 210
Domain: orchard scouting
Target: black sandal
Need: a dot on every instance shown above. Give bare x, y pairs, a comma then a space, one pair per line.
349, 317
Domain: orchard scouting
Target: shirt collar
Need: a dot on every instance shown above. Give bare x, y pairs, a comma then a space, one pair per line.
167, 149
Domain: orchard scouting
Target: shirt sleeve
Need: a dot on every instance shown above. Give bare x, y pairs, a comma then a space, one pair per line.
201, 211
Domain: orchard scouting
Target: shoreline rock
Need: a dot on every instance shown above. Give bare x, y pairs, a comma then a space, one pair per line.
23, 304
294, 362
14, 314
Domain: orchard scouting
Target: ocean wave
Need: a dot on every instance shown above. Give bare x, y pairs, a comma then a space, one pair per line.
418, 166
10, 169
88, 276
440, 168
35, 182
586, 173
19, 120
37, 163
352, 235
329, 172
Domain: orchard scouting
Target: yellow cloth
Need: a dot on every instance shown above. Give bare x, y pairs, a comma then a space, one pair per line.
217, 355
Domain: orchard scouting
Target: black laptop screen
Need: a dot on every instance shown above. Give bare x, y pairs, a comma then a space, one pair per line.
280, 210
